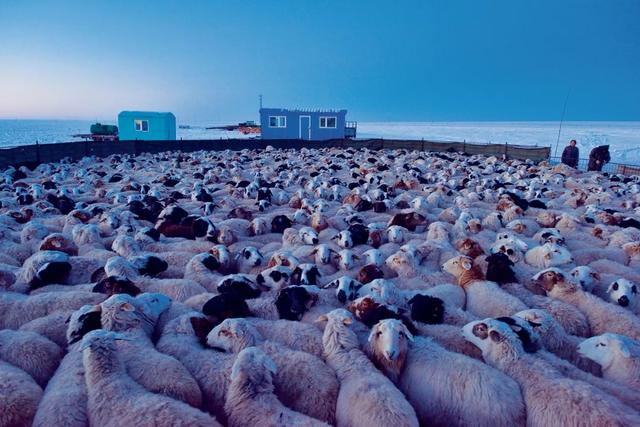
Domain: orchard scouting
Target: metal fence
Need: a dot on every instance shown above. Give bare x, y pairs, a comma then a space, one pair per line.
39, 153
617, 168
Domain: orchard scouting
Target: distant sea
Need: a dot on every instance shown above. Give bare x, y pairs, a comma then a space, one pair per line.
623, 137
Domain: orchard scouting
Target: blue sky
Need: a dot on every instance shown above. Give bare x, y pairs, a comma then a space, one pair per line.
399, 60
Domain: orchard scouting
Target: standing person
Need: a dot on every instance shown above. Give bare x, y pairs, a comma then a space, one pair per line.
571, 154
598, 157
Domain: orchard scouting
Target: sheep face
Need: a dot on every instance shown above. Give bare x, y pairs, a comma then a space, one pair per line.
390, 338
540, 320
308, 236
469, 247
622, 292
373, 257
508, 238
240, 285
456, 266
401, 262
82, 321
285, 259
605, 349
547, 219
632, 249
509, 249
232, 335
225, 306
548, 278
427, 309
300, 216
587, 277
346, 288
251, 256
346, 259
343, 239
495, 339
395, 234
222, 254
305, 274
293, 302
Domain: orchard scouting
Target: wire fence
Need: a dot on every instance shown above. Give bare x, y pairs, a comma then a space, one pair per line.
614, 168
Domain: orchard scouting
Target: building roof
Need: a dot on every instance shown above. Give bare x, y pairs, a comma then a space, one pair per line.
302, 110
145, 113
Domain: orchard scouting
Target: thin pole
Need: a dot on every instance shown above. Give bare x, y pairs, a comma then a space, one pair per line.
564, 109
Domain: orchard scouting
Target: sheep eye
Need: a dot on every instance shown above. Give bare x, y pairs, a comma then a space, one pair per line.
247, 255
379, 333
615, 286
601, 344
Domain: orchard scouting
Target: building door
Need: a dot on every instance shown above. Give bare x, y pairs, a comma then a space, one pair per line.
305, 128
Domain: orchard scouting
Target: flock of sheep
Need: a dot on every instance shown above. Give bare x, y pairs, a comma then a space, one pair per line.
319, 286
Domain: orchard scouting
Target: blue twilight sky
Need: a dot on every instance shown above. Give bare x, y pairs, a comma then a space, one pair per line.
207, 61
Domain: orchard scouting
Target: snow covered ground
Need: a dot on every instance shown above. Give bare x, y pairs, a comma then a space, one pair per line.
623, 137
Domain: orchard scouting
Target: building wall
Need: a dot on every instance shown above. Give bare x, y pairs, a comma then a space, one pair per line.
292, 129
162, 126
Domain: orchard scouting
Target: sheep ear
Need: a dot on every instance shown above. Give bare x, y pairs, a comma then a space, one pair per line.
372, 335
624, 350
322, 318
127, 307
466, 265
347, 321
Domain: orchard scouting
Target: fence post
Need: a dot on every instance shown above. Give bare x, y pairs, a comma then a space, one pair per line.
505, 149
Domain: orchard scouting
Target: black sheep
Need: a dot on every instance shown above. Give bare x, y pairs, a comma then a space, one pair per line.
427, 309
499, 269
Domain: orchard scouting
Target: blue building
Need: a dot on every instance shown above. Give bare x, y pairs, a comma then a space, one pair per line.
146, 125
310, 125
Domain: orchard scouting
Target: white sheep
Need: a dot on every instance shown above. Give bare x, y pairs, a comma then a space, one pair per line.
618, 355
115, 399
602, 316
366, 397
484, 298
32, 353
550, 398
445, 388
548, 255
555, 339
20, 396
303, 382
251, 399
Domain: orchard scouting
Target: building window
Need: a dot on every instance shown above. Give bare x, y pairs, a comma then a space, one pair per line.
277, 121
328, 122
142, 125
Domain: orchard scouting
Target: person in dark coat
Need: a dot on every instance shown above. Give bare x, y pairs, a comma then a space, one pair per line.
571, 154
598, 157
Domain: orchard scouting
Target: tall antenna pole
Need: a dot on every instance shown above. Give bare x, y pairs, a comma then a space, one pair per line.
260, 97
564, 109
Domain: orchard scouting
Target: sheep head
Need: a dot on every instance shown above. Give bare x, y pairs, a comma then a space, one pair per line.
622, 292
233, 335
608, 349
469, 247
256, 368
389, 344
337, 335
498, 343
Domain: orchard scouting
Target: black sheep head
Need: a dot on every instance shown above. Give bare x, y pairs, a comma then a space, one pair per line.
49, 273
427, 309
240, 286
499, 269
293, 302
225, 306
116, 285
